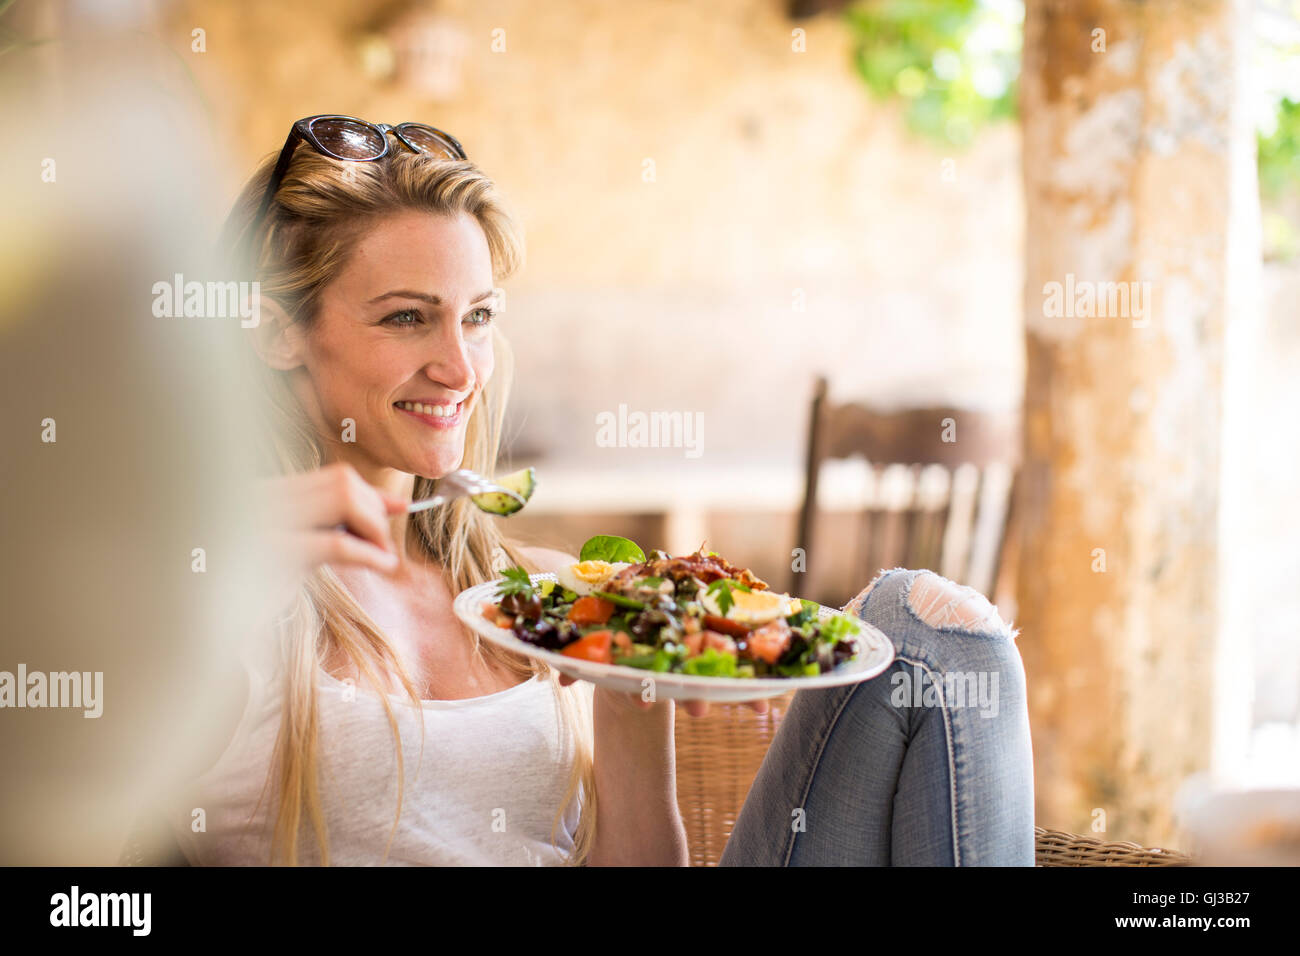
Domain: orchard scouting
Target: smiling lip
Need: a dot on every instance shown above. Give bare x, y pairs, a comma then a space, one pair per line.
450, 416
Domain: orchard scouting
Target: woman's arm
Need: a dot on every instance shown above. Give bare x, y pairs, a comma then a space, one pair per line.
637, 819
635, 760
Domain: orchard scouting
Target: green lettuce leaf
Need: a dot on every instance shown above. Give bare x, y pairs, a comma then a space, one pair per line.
712, 663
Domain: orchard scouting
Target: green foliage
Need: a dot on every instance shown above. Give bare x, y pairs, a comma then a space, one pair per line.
1279, 153
1275, 75
954, 62
1279, 182
955, 65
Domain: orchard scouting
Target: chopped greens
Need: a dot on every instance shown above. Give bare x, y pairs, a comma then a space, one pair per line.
711, 663
620, 600
676, 615
722, 588
515, 581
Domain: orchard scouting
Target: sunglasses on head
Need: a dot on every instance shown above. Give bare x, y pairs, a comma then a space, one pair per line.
355, 140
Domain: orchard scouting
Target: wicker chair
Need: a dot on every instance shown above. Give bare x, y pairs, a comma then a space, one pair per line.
719, 755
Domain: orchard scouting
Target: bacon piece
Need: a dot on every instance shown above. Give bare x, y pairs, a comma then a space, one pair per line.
705, 568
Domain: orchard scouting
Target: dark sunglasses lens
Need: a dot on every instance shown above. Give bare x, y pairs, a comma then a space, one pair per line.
425, 138
348, 139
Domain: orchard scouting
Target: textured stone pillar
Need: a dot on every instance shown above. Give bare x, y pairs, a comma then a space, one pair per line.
1131, 140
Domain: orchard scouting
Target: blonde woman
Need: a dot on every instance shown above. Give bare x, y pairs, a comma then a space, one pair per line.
376, 728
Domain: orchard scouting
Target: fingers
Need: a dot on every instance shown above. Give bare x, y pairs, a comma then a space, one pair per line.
359, 506
696, 708
330, 496
340, 547
311, 507
700, 708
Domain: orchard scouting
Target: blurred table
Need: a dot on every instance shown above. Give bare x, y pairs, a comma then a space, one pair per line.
685, 494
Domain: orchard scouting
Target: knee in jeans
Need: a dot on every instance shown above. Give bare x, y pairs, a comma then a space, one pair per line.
854, 607
946, 605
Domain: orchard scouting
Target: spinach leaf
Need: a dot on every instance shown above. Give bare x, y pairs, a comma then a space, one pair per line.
611, 548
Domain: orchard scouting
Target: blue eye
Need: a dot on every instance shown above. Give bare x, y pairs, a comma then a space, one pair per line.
488, 316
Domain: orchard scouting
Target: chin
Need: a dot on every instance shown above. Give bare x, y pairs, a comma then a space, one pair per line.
438, 464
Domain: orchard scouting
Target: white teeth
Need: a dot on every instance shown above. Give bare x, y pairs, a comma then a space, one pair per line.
437, 411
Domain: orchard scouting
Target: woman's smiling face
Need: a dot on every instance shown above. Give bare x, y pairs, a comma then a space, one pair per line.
402, 345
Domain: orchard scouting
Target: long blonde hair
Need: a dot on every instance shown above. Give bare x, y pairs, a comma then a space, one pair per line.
321, 209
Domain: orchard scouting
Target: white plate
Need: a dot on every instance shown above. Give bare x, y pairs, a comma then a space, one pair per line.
876, 655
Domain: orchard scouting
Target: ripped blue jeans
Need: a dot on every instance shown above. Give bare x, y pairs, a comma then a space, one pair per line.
927, 764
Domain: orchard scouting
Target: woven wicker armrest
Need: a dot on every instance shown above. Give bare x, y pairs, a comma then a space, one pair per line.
1058, 848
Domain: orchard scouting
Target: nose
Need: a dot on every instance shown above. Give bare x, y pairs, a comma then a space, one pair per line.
450, 365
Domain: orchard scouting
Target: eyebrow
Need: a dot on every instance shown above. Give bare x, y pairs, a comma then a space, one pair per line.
424, 296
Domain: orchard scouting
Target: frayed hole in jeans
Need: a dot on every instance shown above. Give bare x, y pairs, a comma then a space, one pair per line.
946, 605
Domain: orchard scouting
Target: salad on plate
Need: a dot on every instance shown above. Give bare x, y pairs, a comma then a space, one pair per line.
695, 614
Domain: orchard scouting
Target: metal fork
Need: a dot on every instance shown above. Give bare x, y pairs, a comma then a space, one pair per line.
459, 484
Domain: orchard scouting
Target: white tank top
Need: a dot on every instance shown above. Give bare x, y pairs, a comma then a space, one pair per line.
485, 791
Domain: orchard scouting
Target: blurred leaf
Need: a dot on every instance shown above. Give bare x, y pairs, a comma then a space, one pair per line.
1279, 153
895, 47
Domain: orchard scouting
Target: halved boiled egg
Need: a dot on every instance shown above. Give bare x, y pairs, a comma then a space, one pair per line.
752, 608
587, 576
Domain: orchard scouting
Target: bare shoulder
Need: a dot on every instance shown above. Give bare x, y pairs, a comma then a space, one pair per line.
549, 559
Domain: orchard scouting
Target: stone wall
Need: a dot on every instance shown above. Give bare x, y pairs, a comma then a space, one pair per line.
774, 171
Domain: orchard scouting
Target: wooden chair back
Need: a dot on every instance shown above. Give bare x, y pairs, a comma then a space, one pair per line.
940, 492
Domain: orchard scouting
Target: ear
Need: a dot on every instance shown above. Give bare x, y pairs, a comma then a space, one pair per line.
277, 338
